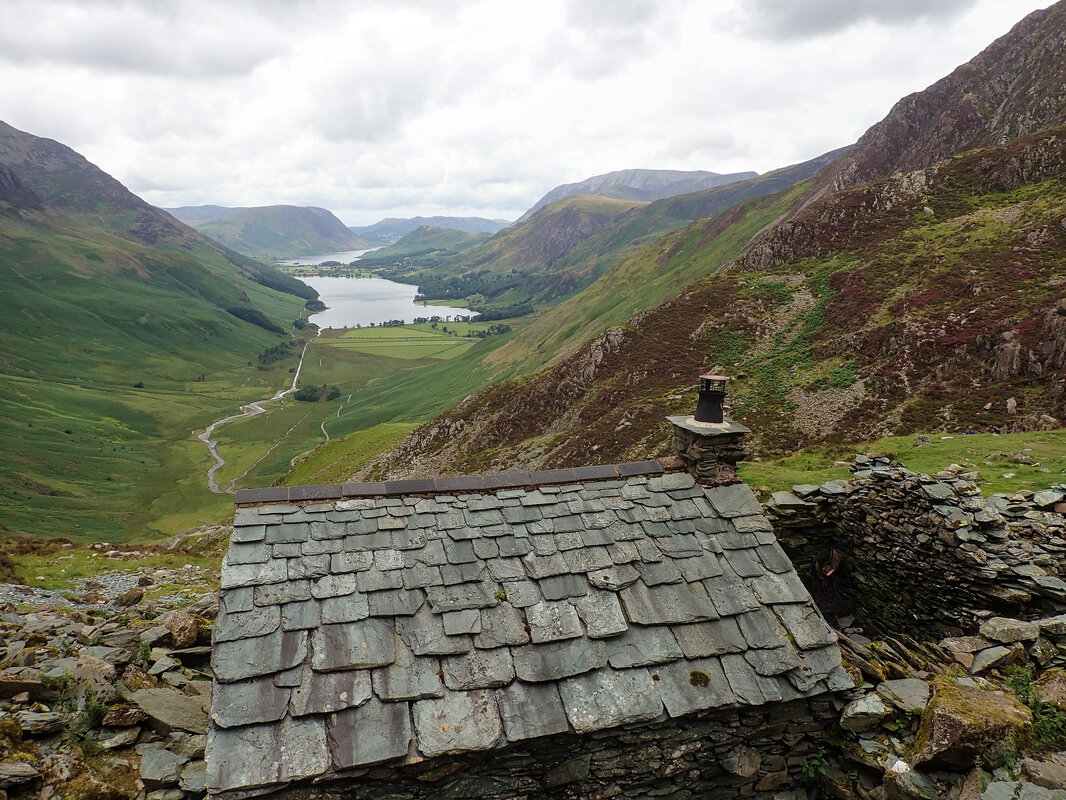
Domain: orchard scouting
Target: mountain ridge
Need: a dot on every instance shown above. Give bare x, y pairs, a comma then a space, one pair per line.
392, 229
282, 231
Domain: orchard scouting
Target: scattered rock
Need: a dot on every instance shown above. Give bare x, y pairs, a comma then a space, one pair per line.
863, 714
906, 694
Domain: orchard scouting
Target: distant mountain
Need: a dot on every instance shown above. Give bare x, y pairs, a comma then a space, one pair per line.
428, 240
198, 215
640, 184
274, 232
114, 312
392, 229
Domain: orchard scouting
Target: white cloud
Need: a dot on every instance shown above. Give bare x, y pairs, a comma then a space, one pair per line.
399, 107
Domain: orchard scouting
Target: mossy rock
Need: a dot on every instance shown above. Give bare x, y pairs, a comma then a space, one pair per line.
1052, 688
964, 725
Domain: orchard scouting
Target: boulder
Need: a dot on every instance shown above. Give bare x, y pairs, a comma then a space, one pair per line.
904, 783
169, 710
1050, 773
907, 694
964, 723
863, 714
130, 598
183, 629
17, 773
159, 766
1006, 630
1052, 688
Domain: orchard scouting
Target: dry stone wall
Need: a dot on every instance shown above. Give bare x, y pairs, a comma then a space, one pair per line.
928, 551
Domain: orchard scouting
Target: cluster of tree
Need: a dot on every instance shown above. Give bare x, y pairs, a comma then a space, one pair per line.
254, 316
312, 394
277, 352
315, 305
452, 287
435, 319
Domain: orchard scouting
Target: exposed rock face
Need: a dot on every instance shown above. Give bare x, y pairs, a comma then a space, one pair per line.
962, 724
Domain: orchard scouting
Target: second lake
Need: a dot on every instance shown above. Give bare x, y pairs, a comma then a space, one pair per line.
360, 301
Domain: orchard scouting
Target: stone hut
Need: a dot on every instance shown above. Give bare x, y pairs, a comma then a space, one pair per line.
612, 631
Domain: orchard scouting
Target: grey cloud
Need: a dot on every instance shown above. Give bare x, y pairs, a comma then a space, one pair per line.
795, 19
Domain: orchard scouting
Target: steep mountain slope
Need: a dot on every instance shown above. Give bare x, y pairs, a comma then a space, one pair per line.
639, 184
282, 231
123, 330
928, 298
392, 229
428, 241
922, 301
1017, 85
195, 216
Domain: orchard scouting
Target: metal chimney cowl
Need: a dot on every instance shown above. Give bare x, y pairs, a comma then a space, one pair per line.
708, 443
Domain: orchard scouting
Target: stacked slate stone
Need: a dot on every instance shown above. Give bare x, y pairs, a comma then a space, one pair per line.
399, 627
924, 549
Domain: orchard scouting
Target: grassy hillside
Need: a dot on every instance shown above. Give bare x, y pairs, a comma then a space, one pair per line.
426, 245
271, 232
921, 302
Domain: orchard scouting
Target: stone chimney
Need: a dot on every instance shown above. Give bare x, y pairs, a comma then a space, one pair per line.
708, 443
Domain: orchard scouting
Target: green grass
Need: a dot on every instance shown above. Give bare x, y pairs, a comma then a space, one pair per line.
336, 460
991, 455
408, 342
67, 568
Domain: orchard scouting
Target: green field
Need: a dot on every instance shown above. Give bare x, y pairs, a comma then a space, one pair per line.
1002, 460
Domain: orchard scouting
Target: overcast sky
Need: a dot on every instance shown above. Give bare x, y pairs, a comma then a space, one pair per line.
375, 108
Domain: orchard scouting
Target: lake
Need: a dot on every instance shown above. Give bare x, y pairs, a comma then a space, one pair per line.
360, 301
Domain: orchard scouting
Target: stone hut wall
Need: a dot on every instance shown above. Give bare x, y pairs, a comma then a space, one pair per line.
922, 551
754, 752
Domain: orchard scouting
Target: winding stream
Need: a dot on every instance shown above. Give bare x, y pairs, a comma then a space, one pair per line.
248, 410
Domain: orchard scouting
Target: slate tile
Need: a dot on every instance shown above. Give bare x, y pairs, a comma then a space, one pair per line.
490, 532
261, 655
408, 538
424, 634
749, 686
762, 629
730, 597
785, 588
459, 552
702, 639
580, 506
806, 625
420, 575
235, 600
373, 580
608, 698
300, 616
410, 677
415, 486
233, 625
237, 575
698, 568
744, 563
308, 567
505, 569
649, 553
330, 529
353, 645
593, 536
355, 504
587, 559
684, 509
272, 494
614, 578
501, 626
634, 490
249, 533
395, 602
432, 554
252, 755
521, 593
553, 620
756, 522
680, 545
668, 604
553, 476
639, 468
774, 558
333, 585
349, 745
336, 516
642, 646
601, 614
486, 548
460, 622
316, 547
659, 572
325, 692
712, 525
252, 553
420, 521
626, 532
775, 661
367, 541
544, 566
347, 608
682, 526
531, 710
290, 678
478, 669
569, 540
560, 587
537, 498
244, 517
694, 685
599, 472
457, 722
301, 518
273, 594
814, 665
461, 596
553, 661
483, 502
735, 500
286, 549
512, 546
507, 481
349, 561
623, 552
462, 573
387, 559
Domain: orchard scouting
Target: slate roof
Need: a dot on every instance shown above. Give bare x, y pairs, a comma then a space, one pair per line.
361, 630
